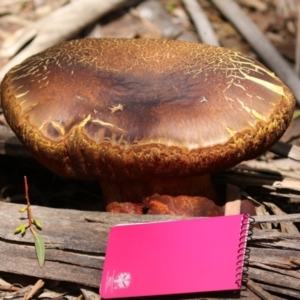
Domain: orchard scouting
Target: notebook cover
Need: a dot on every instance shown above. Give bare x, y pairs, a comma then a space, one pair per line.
175, 257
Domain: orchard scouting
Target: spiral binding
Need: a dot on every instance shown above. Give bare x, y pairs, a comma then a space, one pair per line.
243, 253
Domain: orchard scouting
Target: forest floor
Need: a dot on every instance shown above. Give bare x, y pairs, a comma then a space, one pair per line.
258, 179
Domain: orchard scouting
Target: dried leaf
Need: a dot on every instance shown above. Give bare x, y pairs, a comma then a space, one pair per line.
89, 294
38, 285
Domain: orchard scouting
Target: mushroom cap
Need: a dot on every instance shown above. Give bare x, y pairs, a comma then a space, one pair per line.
138, 108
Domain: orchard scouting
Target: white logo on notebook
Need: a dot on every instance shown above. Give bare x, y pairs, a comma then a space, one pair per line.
122, 280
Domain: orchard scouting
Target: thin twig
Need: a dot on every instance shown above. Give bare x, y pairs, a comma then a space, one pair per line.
9, 288
29, 213
202, 24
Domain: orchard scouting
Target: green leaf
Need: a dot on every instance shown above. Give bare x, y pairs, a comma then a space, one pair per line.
37, 223
22, 210
23, 230
39, 248
20, 228
296, 114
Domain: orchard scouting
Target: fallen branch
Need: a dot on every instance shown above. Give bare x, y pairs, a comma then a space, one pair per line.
58, 26
278, 218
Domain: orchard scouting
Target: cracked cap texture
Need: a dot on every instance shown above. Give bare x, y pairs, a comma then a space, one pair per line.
139, 108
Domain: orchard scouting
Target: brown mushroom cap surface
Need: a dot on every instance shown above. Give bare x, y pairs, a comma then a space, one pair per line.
139, 108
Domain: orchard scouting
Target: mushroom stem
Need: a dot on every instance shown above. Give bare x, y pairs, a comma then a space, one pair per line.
136, 191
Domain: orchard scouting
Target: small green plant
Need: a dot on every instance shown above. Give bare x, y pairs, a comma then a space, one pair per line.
170, 6
38, 239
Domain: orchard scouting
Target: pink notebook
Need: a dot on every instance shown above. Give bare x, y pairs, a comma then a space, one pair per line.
175, 257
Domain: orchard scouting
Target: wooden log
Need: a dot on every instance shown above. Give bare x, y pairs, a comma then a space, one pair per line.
76, 244
278, 218
281, 290
273, 239
280, 258
273, 278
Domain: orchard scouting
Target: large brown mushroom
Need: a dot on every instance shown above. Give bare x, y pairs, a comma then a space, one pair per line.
144, 116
